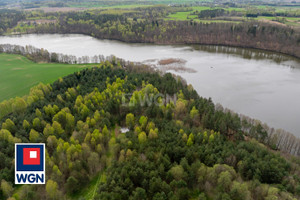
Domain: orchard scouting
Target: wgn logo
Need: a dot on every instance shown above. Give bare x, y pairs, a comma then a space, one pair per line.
30, 163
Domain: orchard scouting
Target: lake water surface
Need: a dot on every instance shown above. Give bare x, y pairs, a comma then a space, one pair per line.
262, 85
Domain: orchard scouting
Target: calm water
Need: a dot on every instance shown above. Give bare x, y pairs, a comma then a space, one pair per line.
261, 85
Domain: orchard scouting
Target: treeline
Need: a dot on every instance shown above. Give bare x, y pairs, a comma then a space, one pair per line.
272, 12
42, 55
246, 53
278, 139
248, 11
275, 138
16, 105
169, 150
211, 13
145, 25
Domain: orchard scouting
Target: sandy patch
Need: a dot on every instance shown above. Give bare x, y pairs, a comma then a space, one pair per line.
174, 64
170, 61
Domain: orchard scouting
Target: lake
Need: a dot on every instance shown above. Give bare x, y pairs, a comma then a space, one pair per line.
259, 84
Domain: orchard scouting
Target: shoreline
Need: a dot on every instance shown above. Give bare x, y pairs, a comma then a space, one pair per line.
169, 43
272, 132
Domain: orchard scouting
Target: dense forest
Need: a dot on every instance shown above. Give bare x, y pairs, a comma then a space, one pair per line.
122, 130
9, 19
149, 25
146, 135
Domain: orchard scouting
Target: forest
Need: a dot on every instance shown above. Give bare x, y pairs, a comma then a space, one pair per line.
113, 123
153, 25
119, 130
9, 19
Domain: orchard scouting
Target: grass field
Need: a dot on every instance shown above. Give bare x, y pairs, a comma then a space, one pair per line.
179, 16
18, 74
279, 8
273, 18
186, 16
182, 16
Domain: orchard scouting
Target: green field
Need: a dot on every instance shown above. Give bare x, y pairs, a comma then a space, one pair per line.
182, 16
278, 8
179, 16
273, 18
18, 74
188, 15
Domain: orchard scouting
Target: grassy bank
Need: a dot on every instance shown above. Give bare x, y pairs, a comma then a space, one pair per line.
18, 74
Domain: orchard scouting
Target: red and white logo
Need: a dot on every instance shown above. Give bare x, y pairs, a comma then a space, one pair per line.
31, 156
30, 163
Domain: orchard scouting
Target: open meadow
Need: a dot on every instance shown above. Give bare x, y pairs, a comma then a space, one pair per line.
18, 74
281, 20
